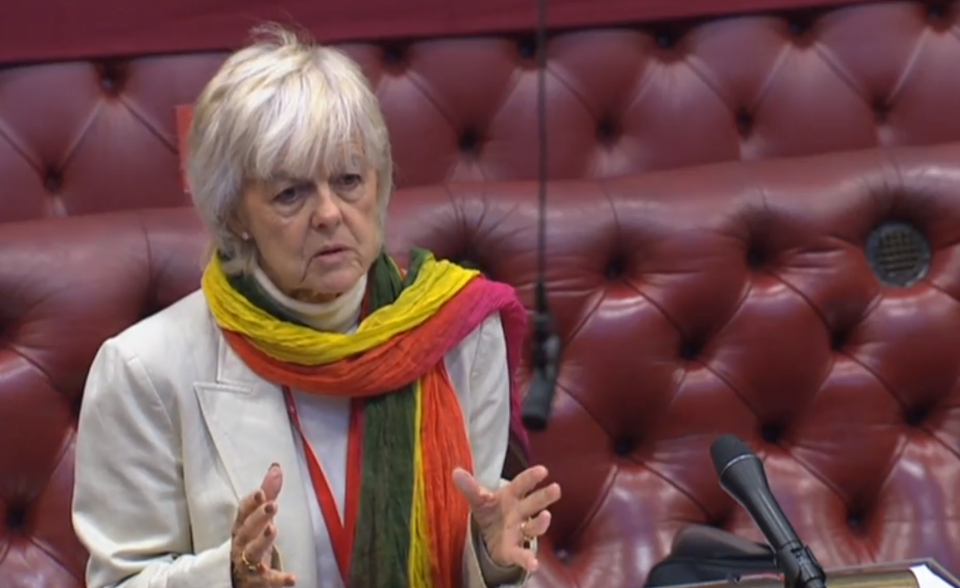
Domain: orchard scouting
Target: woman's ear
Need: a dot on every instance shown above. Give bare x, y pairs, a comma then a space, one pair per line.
238, 227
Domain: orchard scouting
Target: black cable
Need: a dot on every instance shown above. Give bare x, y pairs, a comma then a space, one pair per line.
538, 403
544, 169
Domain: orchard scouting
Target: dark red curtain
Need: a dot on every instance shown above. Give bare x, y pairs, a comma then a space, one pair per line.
54, 30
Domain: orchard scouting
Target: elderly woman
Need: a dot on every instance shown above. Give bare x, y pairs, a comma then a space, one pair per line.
314, 415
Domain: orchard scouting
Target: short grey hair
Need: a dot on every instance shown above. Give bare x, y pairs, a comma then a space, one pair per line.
281, 104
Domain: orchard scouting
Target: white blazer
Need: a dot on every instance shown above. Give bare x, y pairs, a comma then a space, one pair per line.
175, 429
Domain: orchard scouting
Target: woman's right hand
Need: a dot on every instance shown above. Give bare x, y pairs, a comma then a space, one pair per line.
253, 536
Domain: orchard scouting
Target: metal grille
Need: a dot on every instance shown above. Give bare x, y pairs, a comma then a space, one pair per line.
899, 254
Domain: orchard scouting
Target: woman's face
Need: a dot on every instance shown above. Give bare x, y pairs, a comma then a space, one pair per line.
315, 236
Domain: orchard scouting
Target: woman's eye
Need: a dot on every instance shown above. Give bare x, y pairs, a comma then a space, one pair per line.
290, 195
348, 181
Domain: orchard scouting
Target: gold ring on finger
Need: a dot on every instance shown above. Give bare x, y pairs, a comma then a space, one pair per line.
251, 567
527, 536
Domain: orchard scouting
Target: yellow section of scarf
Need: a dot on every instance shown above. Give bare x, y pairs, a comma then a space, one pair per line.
437, 282
419, 572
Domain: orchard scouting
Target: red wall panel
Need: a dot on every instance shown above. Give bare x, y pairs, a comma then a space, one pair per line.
54, 30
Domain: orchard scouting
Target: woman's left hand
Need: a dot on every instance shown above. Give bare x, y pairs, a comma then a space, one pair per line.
510, 517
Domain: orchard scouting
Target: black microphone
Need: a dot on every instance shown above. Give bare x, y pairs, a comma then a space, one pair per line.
538, 402
742, 477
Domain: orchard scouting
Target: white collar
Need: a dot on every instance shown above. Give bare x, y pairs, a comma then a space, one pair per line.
339, 315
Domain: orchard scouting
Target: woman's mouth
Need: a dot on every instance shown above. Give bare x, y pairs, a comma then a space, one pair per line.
330, 254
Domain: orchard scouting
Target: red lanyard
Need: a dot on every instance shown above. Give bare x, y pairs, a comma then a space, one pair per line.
342, 533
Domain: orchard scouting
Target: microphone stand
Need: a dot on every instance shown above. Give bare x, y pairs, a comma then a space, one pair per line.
743, 477
538, 402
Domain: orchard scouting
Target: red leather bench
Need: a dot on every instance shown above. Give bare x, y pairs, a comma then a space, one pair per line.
98, 136
735, 297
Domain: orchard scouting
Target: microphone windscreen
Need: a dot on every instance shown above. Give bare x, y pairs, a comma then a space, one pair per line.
538, 403
725, 449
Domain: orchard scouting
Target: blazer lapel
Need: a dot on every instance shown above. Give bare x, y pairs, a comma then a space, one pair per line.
247, 419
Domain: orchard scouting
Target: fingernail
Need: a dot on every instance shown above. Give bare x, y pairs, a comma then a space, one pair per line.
259, 496
274, 466
270, 508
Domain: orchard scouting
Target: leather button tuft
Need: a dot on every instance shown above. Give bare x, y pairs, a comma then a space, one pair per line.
666, 39
469, 141
15, 518
690, 350
771, 433
755, 257
111, 75
527, 47
856, 522
838, 340
623, 447
394, 57
915, 416
881, 110
744, 121
936, 12
614, 269
52, 182
607, 130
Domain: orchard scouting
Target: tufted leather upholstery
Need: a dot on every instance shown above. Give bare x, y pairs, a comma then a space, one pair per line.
84, 137
182, 26
730, 298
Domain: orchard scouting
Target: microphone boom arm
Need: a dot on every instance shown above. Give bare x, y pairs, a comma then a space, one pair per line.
538, 402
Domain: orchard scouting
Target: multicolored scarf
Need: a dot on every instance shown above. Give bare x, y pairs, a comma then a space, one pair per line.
411, 521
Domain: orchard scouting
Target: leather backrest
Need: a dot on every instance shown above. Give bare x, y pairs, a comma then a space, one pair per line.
737, 298
98, 136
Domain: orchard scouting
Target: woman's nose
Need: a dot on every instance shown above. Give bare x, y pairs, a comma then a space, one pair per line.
327, 208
